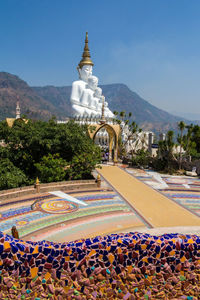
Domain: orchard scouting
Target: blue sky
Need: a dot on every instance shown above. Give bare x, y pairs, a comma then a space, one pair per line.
153, 46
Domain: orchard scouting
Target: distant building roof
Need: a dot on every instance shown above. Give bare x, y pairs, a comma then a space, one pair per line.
10, 121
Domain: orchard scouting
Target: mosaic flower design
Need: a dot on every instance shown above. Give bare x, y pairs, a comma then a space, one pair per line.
55, 206
22, 222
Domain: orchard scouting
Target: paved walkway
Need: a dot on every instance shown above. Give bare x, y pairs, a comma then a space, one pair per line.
155, 208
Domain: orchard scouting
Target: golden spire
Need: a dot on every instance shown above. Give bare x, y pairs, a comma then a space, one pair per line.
86, 60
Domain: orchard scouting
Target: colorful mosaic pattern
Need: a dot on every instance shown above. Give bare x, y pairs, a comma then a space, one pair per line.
39, 217
118, 266
55, 206
182, 189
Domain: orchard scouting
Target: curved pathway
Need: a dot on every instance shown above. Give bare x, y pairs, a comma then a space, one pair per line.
156, 209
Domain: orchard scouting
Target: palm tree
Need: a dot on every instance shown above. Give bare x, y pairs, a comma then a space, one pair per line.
126, 122
122, 115
170, 146
130, 114
188, 137
181, 127
133, 127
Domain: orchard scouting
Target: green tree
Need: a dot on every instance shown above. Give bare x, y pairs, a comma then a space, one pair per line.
195, 139
166, 157
142, 158
133, 134
170, 144
51, 168
28, 142
82, 164
122, 115
188, 138
181, 127
11, 176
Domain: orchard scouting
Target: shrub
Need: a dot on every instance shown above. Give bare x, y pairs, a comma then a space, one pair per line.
51, 168
141, 159
11, 176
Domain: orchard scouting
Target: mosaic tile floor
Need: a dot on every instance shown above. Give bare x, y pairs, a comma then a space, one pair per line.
55, 219
182, 189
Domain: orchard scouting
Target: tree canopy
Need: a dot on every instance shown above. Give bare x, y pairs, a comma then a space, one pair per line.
36, 146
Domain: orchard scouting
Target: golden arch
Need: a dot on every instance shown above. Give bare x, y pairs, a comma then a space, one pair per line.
113, 132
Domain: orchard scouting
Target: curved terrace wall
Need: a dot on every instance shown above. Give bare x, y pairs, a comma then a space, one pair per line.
47, 187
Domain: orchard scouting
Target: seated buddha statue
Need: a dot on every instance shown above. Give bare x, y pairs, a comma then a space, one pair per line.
98, 101
86, 96
87, 99
78, 87
108, 113
85, 70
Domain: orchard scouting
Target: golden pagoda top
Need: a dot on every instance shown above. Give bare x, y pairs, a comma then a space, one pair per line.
86, 60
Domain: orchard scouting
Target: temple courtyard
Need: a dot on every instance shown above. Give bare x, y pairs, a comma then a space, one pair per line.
134, 237
128, 200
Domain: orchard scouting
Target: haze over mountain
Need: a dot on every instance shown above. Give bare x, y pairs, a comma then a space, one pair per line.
187, 115
44, 102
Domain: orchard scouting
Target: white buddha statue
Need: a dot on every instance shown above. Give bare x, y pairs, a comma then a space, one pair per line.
108, 112
98, 101
86, 97
85, 70
78, 87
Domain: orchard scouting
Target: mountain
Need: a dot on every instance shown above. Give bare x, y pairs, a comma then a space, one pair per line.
13, 88
119, 97
148, 116
57, 96
44, 102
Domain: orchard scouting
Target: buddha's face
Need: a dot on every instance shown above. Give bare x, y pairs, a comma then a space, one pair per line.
85, 72
93, 82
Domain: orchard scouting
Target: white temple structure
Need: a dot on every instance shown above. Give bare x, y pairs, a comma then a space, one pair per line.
86, 97
18, 115
89, 107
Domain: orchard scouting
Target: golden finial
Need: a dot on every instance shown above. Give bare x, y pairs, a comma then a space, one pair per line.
37, 181
86, 60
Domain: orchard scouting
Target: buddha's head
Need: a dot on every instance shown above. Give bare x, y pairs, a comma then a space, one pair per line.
98, 92
93, 82
85, 72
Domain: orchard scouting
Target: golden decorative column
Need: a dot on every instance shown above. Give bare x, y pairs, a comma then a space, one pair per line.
37, 185
110, 145
98, 181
